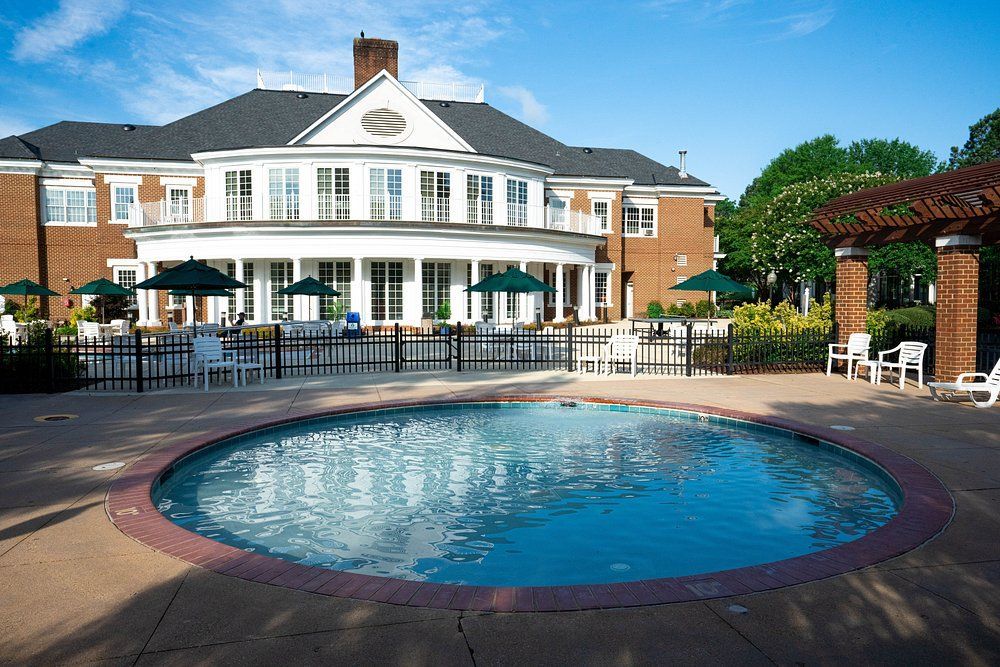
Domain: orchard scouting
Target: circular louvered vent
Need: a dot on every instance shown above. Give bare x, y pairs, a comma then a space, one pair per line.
383, 123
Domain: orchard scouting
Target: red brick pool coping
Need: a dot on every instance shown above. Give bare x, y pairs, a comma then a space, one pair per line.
926, 509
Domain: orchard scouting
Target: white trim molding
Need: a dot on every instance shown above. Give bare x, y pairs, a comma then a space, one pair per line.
851, 252
20, 166
952, 240
178, 180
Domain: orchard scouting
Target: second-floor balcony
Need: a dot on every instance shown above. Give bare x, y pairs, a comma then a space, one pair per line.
375, 207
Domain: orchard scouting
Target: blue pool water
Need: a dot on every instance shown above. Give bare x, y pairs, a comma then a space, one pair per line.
530, 494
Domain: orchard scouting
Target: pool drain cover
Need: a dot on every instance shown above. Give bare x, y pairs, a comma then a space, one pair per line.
114, 465
55, 418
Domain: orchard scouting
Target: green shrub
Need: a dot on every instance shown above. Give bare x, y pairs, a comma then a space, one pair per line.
85, 313
443, 312
28, 311
654, 309
920, 316
762, 318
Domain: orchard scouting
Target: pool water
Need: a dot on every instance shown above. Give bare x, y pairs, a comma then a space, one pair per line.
527, 494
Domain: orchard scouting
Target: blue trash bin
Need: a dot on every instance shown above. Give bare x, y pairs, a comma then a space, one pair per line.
353, 329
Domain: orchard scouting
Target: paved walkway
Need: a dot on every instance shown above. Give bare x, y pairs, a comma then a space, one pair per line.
74, 589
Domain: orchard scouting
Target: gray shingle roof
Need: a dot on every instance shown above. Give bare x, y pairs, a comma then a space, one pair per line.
273, 118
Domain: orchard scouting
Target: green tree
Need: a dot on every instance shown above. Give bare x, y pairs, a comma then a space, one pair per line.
905, 259
983, 144
821, 156
890, 156
783, 242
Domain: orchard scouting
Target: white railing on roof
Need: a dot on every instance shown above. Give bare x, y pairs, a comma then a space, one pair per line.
343, 85
374, 207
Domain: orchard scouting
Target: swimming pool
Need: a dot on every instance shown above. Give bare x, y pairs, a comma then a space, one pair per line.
527, 493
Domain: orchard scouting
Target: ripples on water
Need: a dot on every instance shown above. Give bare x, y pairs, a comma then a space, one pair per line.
526, 496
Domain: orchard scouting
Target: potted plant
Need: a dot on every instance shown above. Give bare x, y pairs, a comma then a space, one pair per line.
335, 312
443, 314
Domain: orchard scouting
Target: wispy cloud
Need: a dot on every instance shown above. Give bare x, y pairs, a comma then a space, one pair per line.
762, 21
55, 34
532, 111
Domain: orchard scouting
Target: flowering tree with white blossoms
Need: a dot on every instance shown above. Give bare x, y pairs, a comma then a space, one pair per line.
782, 240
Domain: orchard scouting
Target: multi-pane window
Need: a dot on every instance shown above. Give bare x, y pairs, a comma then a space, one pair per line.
486, 298
338, 276
239, 194
386, 193
248, 294
557, 213
179, 204
281, 304
479, 195
122, 200
435, 196
601, 211
283, 193
517, 202
333, 193
639, 220
126, 277
387, 291
436, 282
601, 288
70, 206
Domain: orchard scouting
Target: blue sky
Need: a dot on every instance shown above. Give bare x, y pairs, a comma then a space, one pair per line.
732, 81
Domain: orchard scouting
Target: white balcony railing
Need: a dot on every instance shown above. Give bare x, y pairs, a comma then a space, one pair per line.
333, 207
376, 207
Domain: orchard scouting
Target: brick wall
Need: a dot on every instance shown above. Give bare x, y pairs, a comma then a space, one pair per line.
957, 299
851, 304
371, 56
19, 229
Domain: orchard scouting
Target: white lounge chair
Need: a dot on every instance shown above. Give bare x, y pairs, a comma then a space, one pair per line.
623, 348
856, 350
910, 357
122, 327
990, 386
208, 355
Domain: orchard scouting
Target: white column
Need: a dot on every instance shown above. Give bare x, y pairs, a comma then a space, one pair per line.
526, 314
241, 304
581, 292
189, 309
140, 298
560, 311
298, 303
413, 301
153, 298
357, 287
591, 291
475, 297
262, 283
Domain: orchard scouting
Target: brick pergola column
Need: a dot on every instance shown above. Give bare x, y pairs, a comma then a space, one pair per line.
851, 304
957, 300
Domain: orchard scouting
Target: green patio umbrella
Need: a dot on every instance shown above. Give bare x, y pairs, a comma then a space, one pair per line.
26, 288
200, 292
712, 281
189, 277
102, 287
511, 281
309, 286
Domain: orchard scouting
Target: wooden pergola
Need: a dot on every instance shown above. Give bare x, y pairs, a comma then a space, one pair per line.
956, 212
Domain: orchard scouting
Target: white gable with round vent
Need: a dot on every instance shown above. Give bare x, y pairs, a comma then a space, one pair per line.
384, 113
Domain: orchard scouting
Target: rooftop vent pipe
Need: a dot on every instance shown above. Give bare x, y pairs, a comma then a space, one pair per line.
683, 170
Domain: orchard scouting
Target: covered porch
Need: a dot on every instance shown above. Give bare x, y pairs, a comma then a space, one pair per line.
956, 212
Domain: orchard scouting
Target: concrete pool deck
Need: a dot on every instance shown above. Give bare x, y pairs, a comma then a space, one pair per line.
75, 589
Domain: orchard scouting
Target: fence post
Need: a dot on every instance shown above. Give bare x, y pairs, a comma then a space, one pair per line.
139, 378
729, 349
399, 347
277, 351
570, 352
688, 350
49, 362
458, 348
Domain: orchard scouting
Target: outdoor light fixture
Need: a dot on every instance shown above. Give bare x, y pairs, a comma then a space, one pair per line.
772, 278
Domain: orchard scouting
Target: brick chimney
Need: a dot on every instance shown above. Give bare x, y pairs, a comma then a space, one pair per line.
371, 56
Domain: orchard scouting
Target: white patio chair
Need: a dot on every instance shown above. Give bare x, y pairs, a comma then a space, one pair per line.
173, 326
622, 348
491, 343
586, 362
86, 329
209, 355
856, 349
910, 357
122, 327
554, 345
8, 326
990, 386
208, 329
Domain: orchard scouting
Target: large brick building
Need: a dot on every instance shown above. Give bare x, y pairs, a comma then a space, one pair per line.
399, 193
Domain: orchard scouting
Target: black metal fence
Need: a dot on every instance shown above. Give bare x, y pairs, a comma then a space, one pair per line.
141, 362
